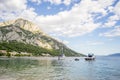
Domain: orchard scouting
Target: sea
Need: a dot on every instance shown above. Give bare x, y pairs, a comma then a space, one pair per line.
50, 68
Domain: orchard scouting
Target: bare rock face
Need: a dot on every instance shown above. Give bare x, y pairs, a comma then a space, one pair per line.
25, 31
24, 24
27, 25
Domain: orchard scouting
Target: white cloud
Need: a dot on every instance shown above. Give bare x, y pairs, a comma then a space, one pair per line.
12, 9
105, 3
114, 18
67, 25
67, 2
28, 14
117, 9
109, 24
48, 7
75, 22
112, 22
36, 1
12, 5
113, 33
57, 2
110, 8
94, 43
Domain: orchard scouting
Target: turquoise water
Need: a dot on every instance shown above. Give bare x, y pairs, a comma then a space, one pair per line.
37, 68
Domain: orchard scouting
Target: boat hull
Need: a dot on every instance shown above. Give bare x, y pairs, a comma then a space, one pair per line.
76, 59
89, 58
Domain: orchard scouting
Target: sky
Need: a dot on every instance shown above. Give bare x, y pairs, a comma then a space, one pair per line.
86, 26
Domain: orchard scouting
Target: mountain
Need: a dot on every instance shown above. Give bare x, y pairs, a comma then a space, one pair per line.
23, 36
115, 54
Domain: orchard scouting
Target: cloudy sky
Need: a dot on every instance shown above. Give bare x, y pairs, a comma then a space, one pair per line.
86, 26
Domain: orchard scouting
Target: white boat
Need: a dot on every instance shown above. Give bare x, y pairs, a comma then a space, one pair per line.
62, 55
90, 57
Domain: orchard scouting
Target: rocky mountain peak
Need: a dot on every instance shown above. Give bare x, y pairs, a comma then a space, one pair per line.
24, 24
27, 25
22, 31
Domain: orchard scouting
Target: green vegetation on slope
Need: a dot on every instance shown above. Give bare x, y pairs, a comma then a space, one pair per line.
22, 47
18, 36
35, 50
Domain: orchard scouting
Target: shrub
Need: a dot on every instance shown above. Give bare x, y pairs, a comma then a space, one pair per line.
2, 54
8, 54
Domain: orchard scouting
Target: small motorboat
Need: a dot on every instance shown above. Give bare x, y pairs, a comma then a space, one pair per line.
90, 57
76, 59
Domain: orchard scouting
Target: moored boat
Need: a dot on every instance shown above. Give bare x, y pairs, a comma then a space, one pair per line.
76, 59
90, 57
62, 56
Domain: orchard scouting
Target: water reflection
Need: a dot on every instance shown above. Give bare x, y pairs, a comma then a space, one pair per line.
17, 64
21, 68
37, 68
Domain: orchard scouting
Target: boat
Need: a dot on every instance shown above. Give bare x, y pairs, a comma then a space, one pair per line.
76, 59
62, 55
90, 57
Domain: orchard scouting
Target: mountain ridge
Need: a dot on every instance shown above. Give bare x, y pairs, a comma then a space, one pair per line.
24, 24
23, 31
115, 54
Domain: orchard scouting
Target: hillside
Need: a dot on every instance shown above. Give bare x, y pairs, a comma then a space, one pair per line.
115, 55
23, 36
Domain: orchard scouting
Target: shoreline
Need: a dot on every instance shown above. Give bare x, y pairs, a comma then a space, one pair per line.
36, 57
